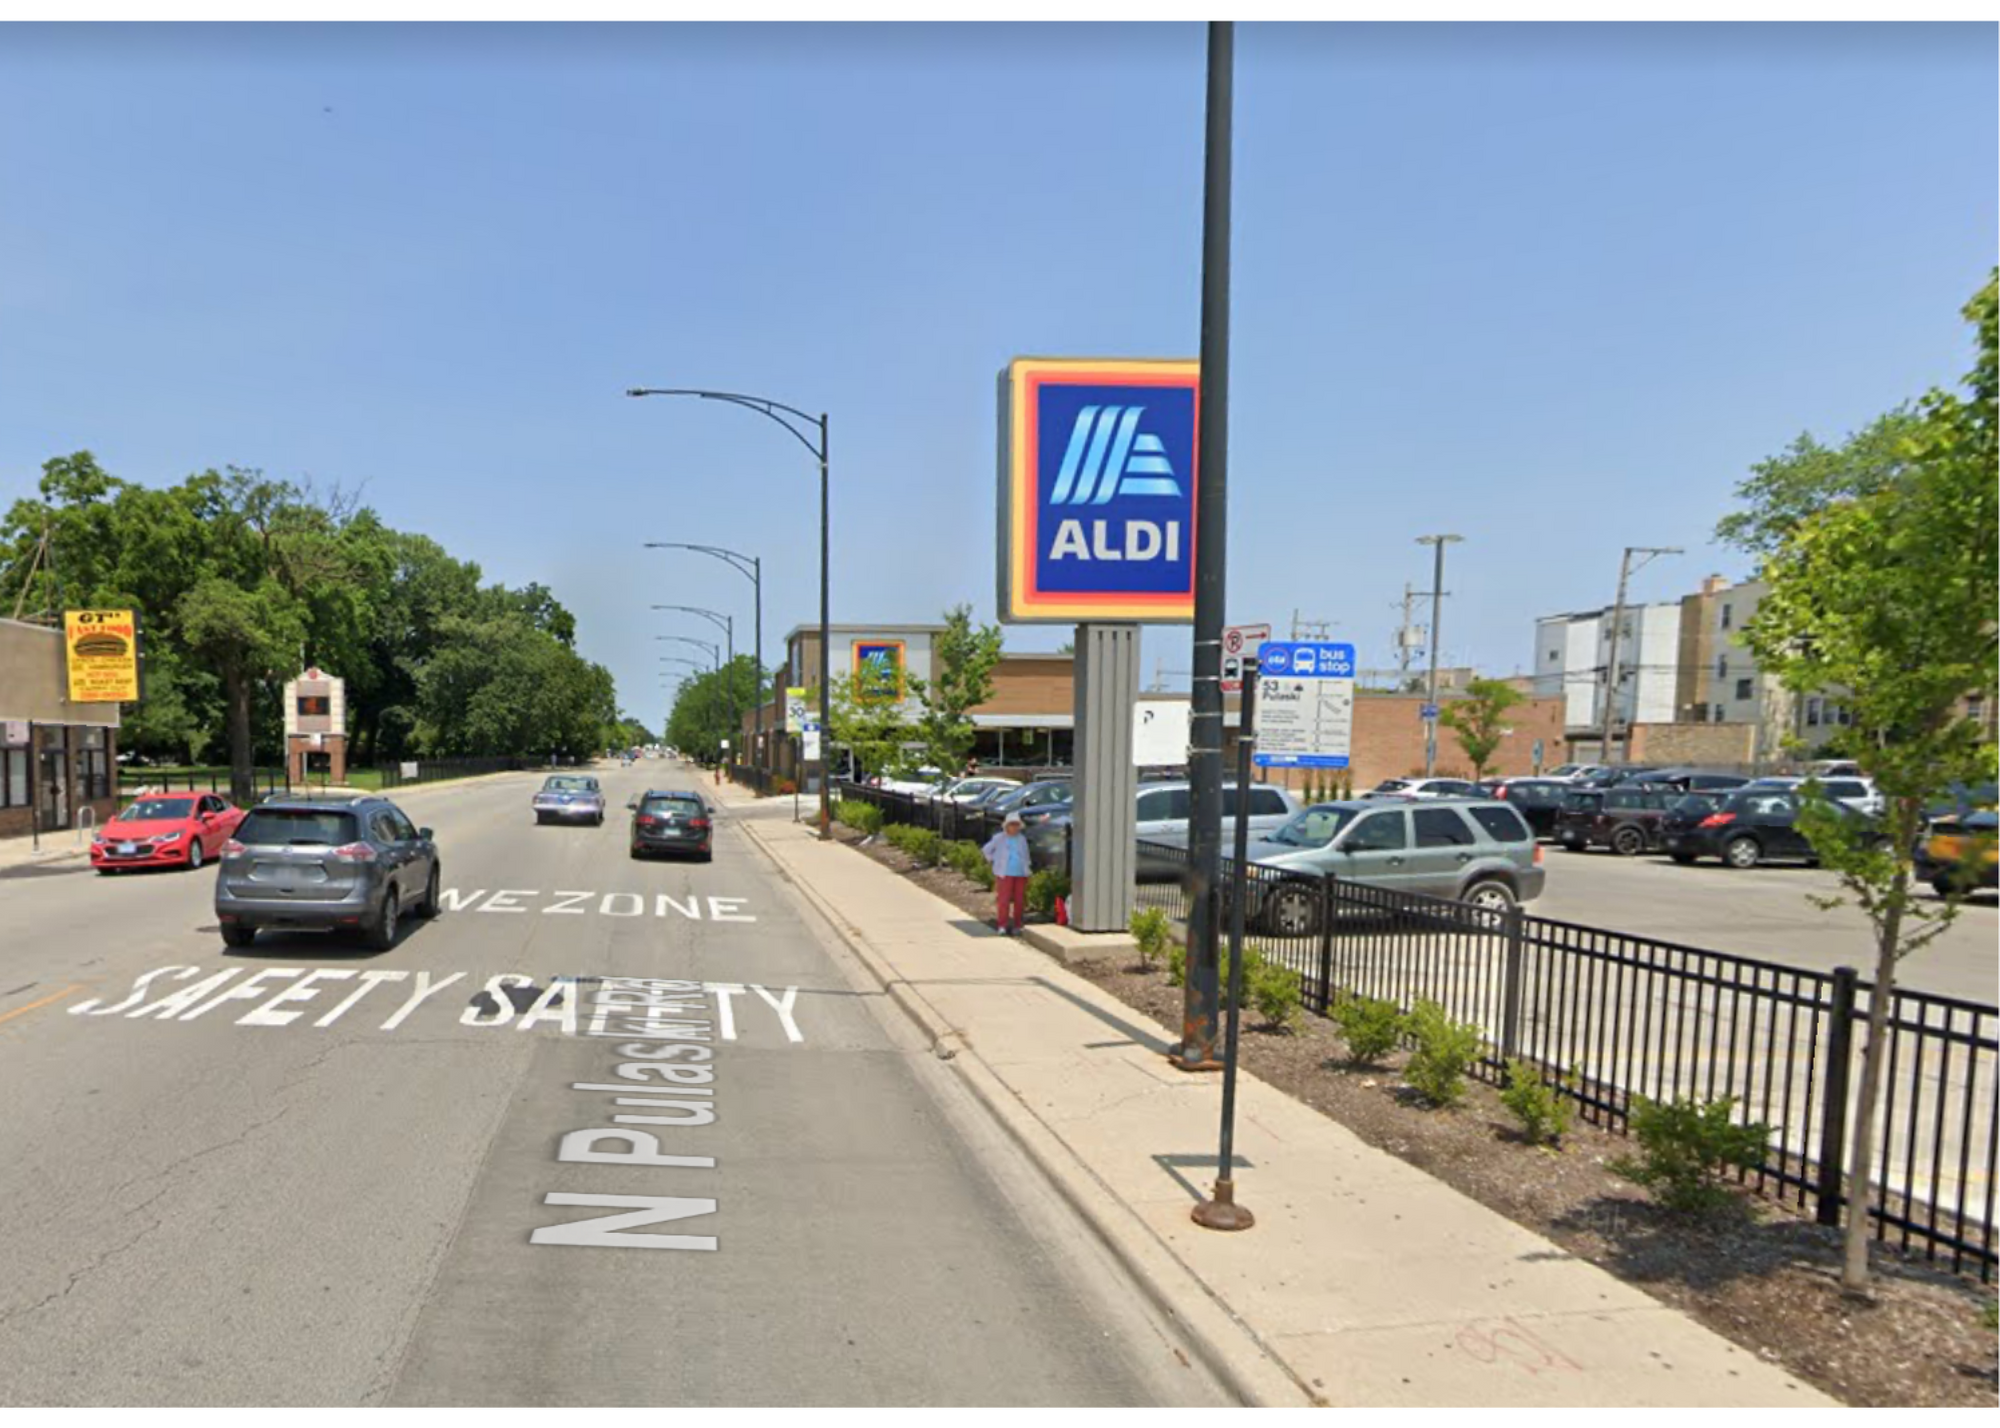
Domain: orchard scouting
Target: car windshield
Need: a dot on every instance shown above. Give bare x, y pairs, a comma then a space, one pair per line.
145, 810
1314, 828
565, 783
1391, 785
285, 827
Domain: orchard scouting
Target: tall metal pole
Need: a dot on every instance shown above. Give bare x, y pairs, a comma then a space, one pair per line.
1197, 1047
1625, 569
757, 619
825, 652
1437, 622
1220, 1211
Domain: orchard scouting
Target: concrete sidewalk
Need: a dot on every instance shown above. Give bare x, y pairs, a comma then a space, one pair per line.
1364, 1282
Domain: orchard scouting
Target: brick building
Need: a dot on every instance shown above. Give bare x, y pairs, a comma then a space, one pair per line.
57, 759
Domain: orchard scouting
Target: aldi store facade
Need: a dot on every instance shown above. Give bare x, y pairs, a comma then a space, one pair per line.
58, 760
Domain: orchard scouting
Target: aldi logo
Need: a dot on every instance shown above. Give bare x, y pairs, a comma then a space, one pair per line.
1097, 487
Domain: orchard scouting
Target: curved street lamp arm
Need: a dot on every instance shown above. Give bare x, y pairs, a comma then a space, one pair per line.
744, 565
721, 622
763, 406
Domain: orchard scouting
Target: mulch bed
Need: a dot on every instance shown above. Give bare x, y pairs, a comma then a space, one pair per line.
1763, 1276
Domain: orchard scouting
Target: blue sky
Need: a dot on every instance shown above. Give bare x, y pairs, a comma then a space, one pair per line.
1552, 288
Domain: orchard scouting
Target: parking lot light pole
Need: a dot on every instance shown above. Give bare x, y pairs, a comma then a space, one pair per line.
1437, 620
798, 423
752, 567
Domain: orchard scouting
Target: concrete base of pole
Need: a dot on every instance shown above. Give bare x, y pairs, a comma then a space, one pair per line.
1222, 1212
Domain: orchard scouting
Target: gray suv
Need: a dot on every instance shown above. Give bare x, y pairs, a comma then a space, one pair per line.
326, 863
1477, 851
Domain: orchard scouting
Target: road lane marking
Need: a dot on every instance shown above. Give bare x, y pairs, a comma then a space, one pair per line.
52, 997
569, 902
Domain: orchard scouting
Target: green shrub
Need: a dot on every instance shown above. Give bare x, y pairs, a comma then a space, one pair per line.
1176, 965
1685, 1145
970, 862
1275, 991
1044, 887
1445, 1051
1543, 1111
923, 846
1370, 1026
1151, 930
862, 817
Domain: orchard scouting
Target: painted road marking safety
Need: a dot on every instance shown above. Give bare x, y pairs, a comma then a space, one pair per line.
563, 903
663, 1029
321, 997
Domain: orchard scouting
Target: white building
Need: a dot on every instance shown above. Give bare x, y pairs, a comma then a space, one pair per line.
1572, 652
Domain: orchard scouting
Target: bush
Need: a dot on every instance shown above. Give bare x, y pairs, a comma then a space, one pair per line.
923, 846
1445, 1051
1685, 1145
971, 864
1275, 991
862, 817
1150, 929
1370, 1026
1044, 887
1176, 965
1543, 1111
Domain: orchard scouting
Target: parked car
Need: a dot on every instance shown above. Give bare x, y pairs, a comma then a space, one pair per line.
1858, 794
1610, 774
1477, 851
1753, 825
1625, 819
1025, 798
165, 830
326, 863
1690, 779
971, 790
1572, 772
1424, 788
569, 798
1958, 852
672, 821
1537, 800
1162, 815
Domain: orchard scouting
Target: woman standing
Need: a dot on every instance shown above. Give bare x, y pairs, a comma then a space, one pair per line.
1007, 853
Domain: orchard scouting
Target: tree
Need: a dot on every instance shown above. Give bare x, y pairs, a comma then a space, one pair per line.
1890, 594
710, 706
1479, 719
1809, 477
962, 662
878, 733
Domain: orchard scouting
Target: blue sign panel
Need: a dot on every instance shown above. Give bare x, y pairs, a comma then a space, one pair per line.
1427, 711
1097, 495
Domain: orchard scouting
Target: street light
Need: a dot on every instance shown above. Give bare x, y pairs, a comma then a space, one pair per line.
751, 567
785, 417
1437, 619
714, 649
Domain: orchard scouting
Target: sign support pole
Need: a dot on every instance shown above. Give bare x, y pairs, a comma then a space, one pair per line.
1221, 1212
1106, 822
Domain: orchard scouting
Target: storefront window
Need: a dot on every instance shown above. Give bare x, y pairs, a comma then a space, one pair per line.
15, 787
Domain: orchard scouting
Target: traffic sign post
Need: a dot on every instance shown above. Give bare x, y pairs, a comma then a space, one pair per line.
1305, 705
1240, 642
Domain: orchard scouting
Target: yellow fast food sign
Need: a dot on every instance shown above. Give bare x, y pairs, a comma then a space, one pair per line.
103, 650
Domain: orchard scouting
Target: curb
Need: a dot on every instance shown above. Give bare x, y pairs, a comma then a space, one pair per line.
1247, 1368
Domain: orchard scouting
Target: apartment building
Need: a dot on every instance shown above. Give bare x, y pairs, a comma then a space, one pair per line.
1573, 651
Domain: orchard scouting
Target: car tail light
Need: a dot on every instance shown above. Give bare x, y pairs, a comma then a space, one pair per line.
1717, 820
647, 820
700, 823
354, 853
232, 847
1538, 855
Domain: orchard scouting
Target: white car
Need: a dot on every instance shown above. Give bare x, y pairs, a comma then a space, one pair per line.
1570, 773
1425, 788
1859, 794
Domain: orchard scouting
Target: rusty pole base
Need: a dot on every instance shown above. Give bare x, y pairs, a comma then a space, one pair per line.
1222, 1212
1177, 1058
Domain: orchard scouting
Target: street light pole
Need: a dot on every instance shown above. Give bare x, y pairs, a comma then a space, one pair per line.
728, 625
714, 649
785, 417
1608, 713
753, 567
1437, 622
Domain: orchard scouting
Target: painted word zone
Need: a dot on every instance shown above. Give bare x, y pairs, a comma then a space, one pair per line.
569, 903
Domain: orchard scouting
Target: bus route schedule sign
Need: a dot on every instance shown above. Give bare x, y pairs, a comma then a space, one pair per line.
1305, 705
1097, 490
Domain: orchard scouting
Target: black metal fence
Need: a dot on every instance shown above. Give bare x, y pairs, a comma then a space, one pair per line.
950, 821
1620, 1016
415, 771
264, 782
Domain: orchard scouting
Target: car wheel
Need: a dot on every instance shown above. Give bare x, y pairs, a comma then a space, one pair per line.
1490, 900
382, 935
238, 935
1572, 845
1742, 853
1682, 858
1941, 885
429, 906
636, 854
1293, 912
1628, 842
540, 819
707, 855
194, 855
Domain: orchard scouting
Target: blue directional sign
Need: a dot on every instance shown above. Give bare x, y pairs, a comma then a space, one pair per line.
1305, 705
1427, 711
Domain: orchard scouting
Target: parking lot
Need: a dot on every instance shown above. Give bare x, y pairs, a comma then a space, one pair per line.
1762, 912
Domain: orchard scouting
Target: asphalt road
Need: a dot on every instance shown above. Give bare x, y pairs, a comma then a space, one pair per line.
1764, 912
217, 1202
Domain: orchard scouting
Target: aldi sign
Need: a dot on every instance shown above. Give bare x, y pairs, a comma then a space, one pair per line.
1097, 490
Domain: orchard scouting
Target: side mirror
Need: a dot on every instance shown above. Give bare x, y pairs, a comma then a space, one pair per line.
631, 803
425, 834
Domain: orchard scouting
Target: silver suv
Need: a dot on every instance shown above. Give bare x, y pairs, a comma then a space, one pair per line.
326, 864
1475, 850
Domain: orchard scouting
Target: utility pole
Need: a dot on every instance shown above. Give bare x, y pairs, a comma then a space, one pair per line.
1303, 629
1404, 644
1625, 569
1438, 542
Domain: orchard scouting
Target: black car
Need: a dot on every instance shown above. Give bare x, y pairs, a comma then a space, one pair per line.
672, 821
1028, 798
1625, 818
1750, 826
1538, 800
1692, 780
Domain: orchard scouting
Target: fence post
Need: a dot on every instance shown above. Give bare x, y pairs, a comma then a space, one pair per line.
1833, 1108
1510, 987
1327, 912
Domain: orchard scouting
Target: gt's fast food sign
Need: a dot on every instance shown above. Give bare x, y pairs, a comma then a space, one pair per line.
103, 651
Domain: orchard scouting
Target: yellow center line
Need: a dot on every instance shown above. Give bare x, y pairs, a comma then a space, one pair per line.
52, 997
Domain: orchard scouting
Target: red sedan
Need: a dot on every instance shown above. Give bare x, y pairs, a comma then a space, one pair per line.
166, 830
